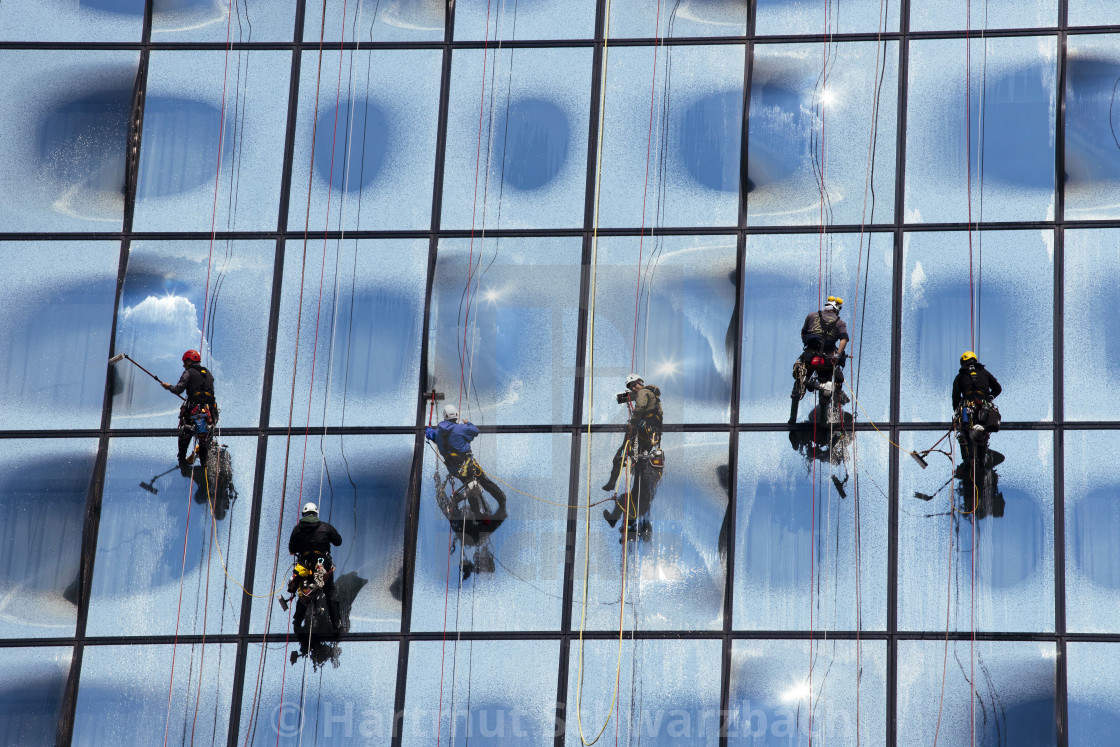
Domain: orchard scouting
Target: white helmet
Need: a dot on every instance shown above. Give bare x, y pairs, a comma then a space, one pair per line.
450, 412
310, 508
632, 379
835, 303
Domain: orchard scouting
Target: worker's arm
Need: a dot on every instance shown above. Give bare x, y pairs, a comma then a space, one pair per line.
644, 403
181, 386
957, 393
336, 538
468, 430
994, 387
292, 549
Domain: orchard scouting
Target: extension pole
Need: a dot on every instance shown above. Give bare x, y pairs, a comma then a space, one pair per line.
124, 356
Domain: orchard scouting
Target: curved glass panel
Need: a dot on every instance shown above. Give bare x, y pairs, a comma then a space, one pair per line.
366, 300
123, 694
72, 20
520, 322
43, 489
1092, 329
504, 574
1092, 522
1010, 130
32, 689
636, 19
937, 15
1092, 681
783, 281
383, 21
664, 308
773, 702
687, 159
494, 692
64, 146
1092, 127
183, 116
360, 484
668, 691
335, 694
1012, 288
149, 551
518, 157
845, 131
55, 326
797, 528
808, 16
215, 20
523, 19
998, 530
1011, 702
374, 149
675, 549
160, 316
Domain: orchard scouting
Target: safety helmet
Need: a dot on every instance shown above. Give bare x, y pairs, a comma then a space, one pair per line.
834, 302
450, 412
310, 508
192, 355
967, 356
633, 379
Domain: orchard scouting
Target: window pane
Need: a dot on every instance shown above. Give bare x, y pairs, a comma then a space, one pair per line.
772, 701
485, 19
668, 691
32, 688
1092, 520
1092, 13
148, 554
808, 16
55, 327
385, 21
688, 163
1092, 329
64, 146
792, 536
85, 21
212, 21
794, 121
349, 701
123, 695
1011, 286
1092, 156
1008, 519
783, 281
183, 115
1012, 701
635, 18
527, 166
937, 15
676, 541
360, 484
374, 148
520, 328
1093, 681
670, 319
43, 489
369, 320
503, 692
503, 574
1010, 130
160, 315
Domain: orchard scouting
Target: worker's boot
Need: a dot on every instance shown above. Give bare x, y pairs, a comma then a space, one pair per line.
335, 614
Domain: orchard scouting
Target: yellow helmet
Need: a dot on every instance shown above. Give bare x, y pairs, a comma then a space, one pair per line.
967, 356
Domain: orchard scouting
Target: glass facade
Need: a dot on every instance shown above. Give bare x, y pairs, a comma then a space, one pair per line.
361, 211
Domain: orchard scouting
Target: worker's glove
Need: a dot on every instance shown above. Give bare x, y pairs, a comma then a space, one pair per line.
839, 359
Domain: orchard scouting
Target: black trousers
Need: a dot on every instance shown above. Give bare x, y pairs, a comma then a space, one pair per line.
329, 589
648, 436
467, 468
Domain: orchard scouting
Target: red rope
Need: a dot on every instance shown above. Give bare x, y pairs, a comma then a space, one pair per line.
972, 344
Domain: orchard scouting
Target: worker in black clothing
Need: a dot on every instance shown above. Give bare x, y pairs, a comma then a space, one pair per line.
973, 382
199, 413
310, 542
825, 336
974, 388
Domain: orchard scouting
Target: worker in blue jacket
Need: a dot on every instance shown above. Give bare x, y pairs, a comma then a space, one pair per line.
453, 439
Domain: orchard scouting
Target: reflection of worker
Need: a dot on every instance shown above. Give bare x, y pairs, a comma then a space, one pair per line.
453, 439
644, 427
310, 541
199, 413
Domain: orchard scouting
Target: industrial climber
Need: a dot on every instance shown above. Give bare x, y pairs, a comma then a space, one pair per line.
310, 542
643, 430
453, 439
974, 388
824, 335
199, 412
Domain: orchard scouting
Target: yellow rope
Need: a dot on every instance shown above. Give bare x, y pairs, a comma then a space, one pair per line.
590, 406
876, 427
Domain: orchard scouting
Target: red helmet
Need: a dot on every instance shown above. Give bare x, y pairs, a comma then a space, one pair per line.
192, 355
